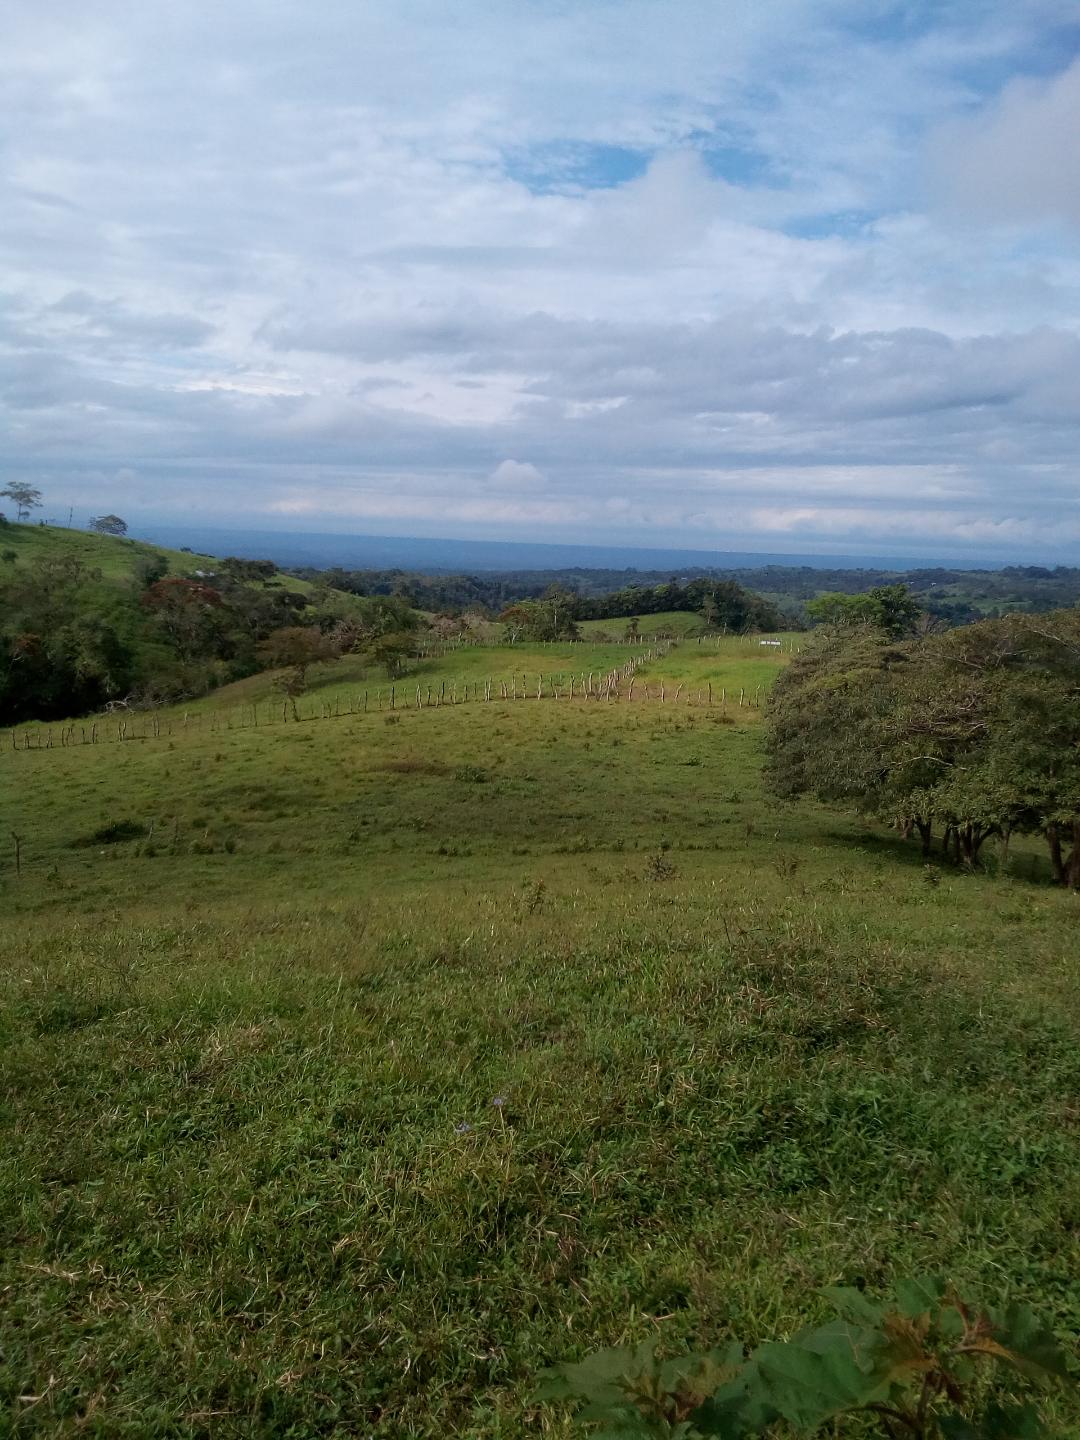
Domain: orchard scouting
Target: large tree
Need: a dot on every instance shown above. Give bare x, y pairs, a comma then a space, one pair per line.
24, 497
294, 649
108, 525
976, 731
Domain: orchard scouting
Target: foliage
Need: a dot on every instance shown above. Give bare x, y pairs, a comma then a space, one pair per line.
550, 618
976, 730
85, 620
952, 596
391, 651
24, 497
545, 605
911, 1364
250, 572
294, 649
892, 608
108, 525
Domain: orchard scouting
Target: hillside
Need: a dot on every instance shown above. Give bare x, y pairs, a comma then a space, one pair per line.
86, 618
114, 556
358, 1068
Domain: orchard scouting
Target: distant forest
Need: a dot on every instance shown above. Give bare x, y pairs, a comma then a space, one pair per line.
956, 596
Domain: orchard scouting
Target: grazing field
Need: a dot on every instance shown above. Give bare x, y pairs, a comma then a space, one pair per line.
356, 1069
114, 557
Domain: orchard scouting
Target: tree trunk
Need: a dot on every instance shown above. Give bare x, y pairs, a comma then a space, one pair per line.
926, 834
1057, 865
1072, 866
972, 839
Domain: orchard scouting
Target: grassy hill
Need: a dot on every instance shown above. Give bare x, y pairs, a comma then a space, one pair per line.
354, 1069
86, 618
113, 555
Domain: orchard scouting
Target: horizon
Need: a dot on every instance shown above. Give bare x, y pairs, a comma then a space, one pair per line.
315, 548
792, 278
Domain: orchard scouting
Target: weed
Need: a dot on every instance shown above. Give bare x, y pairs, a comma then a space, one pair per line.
659, 867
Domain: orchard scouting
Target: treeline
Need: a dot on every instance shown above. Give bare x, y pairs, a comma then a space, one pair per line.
576, 595
954, 596
72, 640
722, 604
955, 736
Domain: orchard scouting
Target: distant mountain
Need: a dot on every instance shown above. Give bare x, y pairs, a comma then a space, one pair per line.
383, 552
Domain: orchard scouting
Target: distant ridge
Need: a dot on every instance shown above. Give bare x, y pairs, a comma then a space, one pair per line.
389, 552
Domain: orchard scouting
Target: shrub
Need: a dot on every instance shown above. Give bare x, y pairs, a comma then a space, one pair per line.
113, 833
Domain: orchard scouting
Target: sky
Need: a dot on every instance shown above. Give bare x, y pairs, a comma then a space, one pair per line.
775, 275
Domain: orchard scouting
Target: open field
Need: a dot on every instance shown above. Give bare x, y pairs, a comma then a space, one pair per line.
114, 557
414, 1050
673, 622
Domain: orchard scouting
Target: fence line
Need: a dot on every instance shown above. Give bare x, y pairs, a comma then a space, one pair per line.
621, 684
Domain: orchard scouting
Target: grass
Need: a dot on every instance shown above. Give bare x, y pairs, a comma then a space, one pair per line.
113, 556
670, 622
413, 1051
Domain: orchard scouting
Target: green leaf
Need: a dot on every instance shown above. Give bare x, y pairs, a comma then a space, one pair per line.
737, 1409
833, 1369
1028, 1345
1001, 1422
919, 1296
599, 1378
701, 1373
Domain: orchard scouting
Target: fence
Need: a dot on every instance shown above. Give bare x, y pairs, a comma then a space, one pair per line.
623, 683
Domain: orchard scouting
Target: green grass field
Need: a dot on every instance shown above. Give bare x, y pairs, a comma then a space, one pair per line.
672, 622
355, 1069
114, 557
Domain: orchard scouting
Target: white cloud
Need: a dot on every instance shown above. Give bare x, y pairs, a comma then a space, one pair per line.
1017, 158
516, 475
350, 270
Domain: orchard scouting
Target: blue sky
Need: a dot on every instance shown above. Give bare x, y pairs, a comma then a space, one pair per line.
787, 276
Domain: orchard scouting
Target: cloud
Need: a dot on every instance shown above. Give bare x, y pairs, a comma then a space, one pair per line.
1014, 159
688, 262
516, 475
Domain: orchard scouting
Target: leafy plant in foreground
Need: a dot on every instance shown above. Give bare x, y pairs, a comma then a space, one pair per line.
916, 1366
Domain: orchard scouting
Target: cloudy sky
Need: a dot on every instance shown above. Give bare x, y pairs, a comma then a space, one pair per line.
762, 274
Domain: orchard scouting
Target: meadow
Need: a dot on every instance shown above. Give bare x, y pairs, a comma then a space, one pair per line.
357, 1068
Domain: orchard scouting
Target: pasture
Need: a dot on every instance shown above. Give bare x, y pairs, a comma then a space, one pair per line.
355, 1069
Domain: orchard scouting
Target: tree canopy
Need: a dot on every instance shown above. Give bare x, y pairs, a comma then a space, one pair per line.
108, 525
23, 496
975, 731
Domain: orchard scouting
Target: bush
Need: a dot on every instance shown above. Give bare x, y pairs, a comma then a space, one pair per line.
113, 833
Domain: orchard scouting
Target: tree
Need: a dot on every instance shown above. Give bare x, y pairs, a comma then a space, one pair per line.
186, 610
249, 571
149, 569
108, 525
550, 618
976, 730
392, 651
295, 648
24, 496
891, 608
